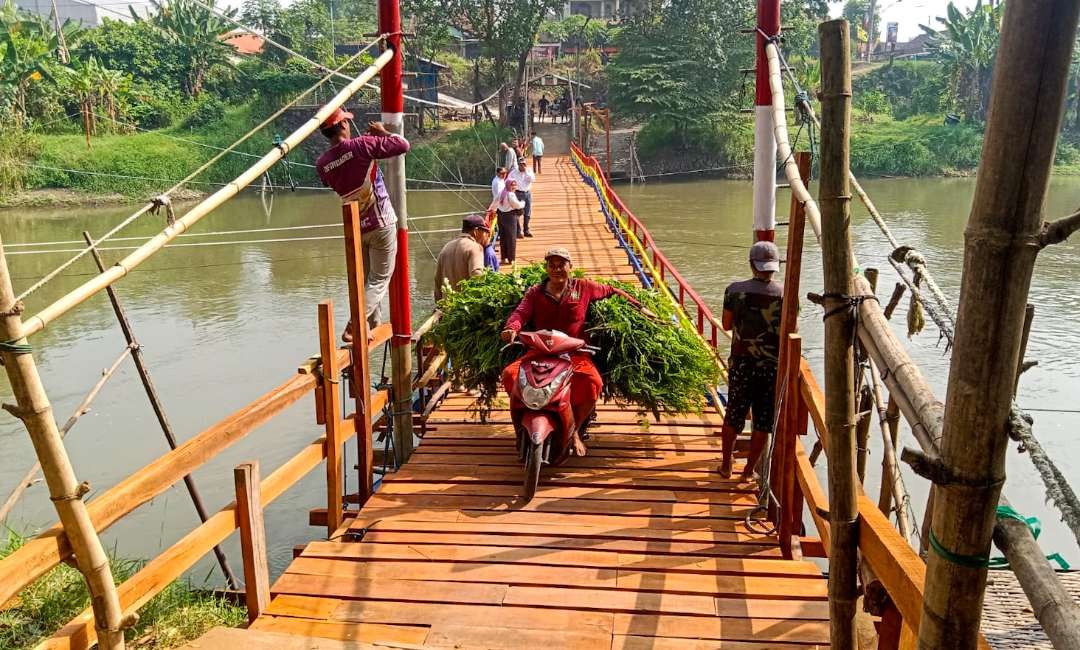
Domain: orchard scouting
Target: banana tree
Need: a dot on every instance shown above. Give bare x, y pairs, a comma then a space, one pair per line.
196, 33
29, 53
967, 46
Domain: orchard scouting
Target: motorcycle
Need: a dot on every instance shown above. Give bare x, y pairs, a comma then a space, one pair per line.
540, 407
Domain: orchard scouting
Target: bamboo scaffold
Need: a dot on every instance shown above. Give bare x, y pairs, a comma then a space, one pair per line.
1056, 611
32, 402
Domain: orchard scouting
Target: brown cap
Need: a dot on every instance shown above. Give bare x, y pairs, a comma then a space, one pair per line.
559, 252
474, 221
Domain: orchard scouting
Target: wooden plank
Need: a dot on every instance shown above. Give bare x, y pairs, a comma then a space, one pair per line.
723, 585
612, 601
424, 591
471, 572
373, 633
716, 628
361, 371
526, 618
567, 506
249, 517
331, 415
226, 638
556, 490
650, 643
504, 526
505, 638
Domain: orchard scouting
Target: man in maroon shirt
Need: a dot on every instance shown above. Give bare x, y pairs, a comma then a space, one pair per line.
561, 303
349, 167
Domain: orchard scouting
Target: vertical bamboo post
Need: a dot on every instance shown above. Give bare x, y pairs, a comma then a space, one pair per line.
361, 368
156, 405
65, 491
1030, 80
1029, 316
331, 412
249, 519
837, 259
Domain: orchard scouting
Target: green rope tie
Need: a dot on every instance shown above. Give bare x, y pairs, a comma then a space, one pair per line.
15, 348
979, 561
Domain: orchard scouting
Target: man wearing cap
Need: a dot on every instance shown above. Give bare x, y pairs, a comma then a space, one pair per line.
525, 179
560, 303
463, 256
752, 314
349, 167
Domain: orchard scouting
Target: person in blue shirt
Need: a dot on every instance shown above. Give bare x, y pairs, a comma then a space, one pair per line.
537, 152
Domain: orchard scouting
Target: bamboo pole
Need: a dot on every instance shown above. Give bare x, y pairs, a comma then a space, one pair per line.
65, 491
835, 200
82, 409
1029, 316
77, 296
155, 403
892, 484
1030, 77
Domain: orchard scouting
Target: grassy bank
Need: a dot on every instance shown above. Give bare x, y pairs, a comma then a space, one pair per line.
176, 615
37, 170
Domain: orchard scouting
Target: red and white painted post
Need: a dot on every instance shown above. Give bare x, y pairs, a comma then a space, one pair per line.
393, 110
768, 21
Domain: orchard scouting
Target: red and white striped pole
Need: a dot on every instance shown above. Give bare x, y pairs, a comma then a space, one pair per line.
393, 108
768, 21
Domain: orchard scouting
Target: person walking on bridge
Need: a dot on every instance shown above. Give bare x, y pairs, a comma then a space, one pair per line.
508, 206
463, 256
752, 314
349, 166
523, 179
537, 153
498, 184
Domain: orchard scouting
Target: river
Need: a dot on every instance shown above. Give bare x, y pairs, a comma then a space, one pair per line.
221, 324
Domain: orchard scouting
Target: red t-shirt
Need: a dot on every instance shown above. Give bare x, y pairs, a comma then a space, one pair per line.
345, 165
542, 311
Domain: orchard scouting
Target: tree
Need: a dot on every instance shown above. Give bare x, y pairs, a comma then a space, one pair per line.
261, 14
29, 53
431, 28
195, 32
857, 13
134, 48
681, 61
506, 30
967, 47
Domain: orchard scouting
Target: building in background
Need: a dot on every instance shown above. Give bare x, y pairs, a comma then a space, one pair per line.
91, 13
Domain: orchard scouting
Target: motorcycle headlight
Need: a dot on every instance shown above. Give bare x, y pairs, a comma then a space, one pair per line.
537, 398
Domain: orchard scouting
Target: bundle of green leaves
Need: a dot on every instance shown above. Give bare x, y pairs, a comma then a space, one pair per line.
657, 364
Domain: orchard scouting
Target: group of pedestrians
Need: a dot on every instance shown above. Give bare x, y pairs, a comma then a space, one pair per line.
556, 111
511, 193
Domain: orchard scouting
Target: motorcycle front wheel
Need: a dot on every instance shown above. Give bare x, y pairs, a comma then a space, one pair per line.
533, 461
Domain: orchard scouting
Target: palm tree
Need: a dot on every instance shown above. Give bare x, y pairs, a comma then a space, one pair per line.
967, 46
196, 32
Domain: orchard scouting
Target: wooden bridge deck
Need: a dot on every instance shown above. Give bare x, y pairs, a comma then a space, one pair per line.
638, 545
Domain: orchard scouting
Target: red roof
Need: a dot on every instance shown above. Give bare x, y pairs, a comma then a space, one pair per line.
245, 43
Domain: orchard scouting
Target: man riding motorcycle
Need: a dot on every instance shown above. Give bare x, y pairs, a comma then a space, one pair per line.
561, 302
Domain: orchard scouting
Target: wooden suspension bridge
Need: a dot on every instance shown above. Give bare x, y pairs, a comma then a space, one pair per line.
640, 544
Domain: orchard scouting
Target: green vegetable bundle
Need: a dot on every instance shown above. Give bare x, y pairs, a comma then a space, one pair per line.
660, 365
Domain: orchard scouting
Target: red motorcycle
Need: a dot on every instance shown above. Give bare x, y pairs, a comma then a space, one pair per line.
540, 402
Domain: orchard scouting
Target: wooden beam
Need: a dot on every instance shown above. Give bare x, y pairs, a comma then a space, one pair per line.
249, 517
331, 415
361, 372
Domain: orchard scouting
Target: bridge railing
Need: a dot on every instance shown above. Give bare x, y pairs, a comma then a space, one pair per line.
651, 265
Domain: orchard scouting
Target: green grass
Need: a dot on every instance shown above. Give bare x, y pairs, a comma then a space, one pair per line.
918, 146
176, 615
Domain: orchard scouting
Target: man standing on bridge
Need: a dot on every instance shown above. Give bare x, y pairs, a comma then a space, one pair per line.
463, 256
349, 166
752, 314
524, 179
537, 152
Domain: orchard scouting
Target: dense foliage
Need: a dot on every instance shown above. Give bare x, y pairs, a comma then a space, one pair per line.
655, 364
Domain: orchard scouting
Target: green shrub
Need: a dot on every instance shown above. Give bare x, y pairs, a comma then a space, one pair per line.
465, 155
207, 110
15, 145
909, 87
719, 139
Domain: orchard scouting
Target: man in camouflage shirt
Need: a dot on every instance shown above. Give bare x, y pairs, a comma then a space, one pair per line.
752, 313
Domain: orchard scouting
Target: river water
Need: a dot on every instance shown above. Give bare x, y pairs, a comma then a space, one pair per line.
221, 324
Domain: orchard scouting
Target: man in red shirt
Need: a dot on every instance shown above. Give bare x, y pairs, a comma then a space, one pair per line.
349, 167
561, 303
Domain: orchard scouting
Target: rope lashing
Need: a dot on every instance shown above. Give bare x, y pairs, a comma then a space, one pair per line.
82, 490
985, 561
163, 201
15, 348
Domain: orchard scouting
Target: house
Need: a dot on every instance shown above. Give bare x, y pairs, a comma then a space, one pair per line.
91, 13
244, 42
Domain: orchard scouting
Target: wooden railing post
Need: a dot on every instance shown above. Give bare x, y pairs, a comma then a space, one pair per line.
361, 371
249, 519
331, 415
789, 427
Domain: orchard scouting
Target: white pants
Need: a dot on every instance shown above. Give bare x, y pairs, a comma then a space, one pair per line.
379, 248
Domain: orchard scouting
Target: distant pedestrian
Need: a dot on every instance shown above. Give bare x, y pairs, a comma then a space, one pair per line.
752, 314
463, 256
508, 154
543, 104
537, 152
508, 207
498, 184
349, 167
523, 180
